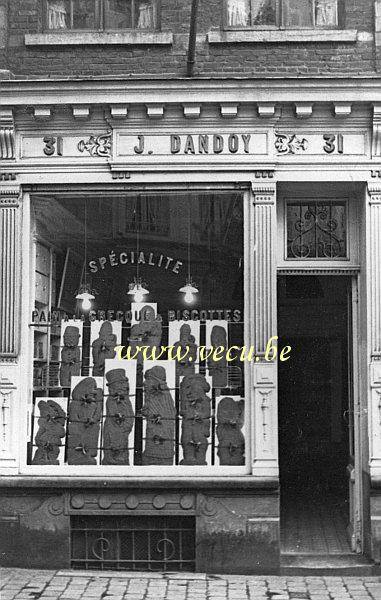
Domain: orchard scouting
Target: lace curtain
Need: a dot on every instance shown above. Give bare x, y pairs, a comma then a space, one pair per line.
57, 15
145, 16
238, 13
326, 13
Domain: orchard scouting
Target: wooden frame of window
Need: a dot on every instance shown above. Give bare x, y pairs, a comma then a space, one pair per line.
100, 18
280, 18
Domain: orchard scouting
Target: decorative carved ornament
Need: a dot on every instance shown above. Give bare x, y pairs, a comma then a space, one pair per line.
7, 135
97, 146
290, 144
119, 502
376, 134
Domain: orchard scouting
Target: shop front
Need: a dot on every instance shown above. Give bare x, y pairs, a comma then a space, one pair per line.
188, 286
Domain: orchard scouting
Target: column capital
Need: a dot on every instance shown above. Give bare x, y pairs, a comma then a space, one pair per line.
10, 196
264, 193
374, 191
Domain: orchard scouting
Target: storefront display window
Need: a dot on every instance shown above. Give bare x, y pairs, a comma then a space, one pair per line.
129, 375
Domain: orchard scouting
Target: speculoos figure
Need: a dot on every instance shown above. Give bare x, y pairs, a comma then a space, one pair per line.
70, 356
231, 441
218, 369
147, 332
103, 347
119, 419
85, 415
159, 413
51, 433
195, 409
187, 347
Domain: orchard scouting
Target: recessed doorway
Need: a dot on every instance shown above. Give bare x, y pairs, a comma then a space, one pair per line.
316, 435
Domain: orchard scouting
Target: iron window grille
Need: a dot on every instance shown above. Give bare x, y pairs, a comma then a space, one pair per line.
100, 15
316, 230
283, 14
141, 543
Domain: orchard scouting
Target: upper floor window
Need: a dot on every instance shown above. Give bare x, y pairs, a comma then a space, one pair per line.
241, 14
101, 14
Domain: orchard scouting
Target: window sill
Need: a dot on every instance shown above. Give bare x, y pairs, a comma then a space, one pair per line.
277, 35
71, 38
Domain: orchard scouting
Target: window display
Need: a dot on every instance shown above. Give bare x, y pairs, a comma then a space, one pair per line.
138, 384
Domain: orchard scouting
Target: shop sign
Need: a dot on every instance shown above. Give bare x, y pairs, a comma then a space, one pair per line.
129, 257
193, 147
54, 317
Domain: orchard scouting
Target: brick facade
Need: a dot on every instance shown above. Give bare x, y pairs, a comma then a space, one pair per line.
248, 59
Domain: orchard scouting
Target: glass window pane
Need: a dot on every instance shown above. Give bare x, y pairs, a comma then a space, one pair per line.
84, 14
326, 13
297, 13
144, 14
58, 16
264, 12
186, 408
118, 14
238, 13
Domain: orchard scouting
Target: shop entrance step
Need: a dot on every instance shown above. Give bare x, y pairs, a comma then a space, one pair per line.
328, 564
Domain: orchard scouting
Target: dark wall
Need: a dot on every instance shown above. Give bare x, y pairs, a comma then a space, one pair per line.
26, 16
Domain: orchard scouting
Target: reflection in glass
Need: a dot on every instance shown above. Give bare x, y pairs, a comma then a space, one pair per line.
297, 13
118, 14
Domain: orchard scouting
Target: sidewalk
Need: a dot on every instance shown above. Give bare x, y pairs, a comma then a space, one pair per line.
23, 584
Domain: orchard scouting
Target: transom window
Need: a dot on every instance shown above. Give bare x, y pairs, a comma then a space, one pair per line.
316, 230
100, 14
247, 14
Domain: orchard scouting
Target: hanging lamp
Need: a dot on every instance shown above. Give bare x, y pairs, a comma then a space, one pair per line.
137, 289
85, 292
189, 289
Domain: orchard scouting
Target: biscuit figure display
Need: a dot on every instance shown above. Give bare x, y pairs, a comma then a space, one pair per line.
147, 332
195, 409
51, 433
85, 415
185, 346
119, 419
231, 441
218, 368
70, 356
103, 347
159, 412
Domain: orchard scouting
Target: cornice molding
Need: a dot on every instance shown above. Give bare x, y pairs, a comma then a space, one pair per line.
172, 91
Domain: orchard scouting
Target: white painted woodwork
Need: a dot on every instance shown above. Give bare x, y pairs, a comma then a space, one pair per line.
81, 111
155, 111
263, 327
9, 271
192, 111
229, 111
119, 111
374, 324
303, 110
42, 113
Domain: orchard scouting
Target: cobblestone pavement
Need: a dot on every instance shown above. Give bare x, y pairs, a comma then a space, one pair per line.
22, 584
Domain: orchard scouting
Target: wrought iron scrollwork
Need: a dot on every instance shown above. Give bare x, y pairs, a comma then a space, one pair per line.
316, 230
